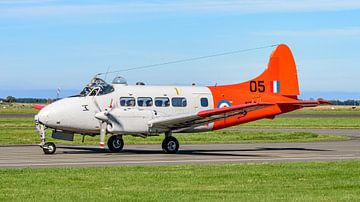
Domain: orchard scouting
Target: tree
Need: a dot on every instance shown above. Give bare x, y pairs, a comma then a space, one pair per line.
10, 99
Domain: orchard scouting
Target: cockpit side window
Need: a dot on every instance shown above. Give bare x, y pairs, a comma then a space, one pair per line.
96, 87
95, 91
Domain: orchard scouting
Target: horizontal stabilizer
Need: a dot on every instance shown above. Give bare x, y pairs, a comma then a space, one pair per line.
306, 103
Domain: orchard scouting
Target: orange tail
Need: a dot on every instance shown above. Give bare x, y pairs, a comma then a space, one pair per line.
281, 69
280, 77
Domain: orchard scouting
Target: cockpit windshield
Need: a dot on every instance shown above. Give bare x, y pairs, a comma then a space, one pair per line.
97, 86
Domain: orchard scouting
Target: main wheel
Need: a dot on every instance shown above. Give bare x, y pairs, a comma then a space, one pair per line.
49, 148
170, 145
115, 143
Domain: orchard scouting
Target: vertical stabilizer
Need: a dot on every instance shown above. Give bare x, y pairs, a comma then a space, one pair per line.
281, 73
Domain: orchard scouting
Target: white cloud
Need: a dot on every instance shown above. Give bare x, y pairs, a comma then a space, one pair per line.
339, 32
21, 8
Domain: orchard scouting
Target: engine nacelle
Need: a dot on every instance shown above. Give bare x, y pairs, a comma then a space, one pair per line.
129, 121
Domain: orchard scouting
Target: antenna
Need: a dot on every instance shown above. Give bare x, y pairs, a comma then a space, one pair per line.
58, 93
188, 59
107, 72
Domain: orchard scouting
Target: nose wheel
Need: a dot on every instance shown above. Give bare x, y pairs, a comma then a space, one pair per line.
49, 148
170, 145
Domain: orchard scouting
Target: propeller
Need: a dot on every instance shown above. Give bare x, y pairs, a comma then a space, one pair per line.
103, 119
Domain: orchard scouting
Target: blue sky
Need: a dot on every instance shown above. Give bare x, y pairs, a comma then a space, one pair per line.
47, 44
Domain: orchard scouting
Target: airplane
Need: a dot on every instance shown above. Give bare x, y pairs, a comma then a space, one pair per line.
140, 110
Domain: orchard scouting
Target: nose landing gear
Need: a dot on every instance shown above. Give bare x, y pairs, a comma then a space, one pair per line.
49, 148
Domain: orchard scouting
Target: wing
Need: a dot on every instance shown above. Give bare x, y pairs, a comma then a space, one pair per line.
203, 117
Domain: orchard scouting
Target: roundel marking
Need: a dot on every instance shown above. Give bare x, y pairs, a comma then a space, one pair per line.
223, 103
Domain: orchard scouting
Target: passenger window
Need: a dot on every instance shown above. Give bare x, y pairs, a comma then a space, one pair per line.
204, 102
127, 101
178, 102
144, 101
162, 102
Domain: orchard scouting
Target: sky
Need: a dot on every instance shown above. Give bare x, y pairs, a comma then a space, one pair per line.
51, 44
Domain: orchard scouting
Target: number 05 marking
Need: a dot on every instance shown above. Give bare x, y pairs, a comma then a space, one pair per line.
257, 86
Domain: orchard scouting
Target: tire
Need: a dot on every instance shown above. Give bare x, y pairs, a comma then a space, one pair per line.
115, 143
49, 148
170, 145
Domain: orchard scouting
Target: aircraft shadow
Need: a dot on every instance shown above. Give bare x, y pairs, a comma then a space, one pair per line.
204, 152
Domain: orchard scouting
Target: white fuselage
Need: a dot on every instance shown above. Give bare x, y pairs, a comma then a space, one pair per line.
77, 114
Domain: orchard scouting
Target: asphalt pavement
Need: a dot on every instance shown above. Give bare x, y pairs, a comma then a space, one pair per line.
19, 156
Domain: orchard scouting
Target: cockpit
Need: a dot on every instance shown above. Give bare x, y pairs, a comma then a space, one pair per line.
97, 86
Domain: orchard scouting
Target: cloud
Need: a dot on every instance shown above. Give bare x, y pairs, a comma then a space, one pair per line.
21, 8
339, 32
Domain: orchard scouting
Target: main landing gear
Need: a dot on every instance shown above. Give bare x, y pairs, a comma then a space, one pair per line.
170, 144
115, 143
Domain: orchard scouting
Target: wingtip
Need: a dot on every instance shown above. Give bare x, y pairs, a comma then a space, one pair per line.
38, 106
325, 102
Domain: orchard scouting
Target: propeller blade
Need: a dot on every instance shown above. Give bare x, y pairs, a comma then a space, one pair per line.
102, 134
96, 104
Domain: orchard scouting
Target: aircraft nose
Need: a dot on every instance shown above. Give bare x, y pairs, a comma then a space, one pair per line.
41, 117
48, 115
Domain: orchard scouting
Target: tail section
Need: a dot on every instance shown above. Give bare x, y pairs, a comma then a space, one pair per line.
281, 74
280, 77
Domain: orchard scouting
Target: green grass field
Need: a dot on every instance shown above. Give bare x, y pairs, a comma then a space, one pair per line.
316, 181
17, 108
293, 122
29, 136
329, 109
308, 181
281, 122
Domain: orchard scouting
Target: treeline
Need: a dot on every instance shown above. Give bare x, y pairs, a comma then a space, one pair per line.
11, 99
346, 102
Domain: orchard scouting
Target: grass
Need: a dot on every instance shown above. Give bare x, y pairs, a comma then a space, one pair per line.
287, 122
17, 108
30, 136
16, 122
315, 181
329, 109
281, 122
